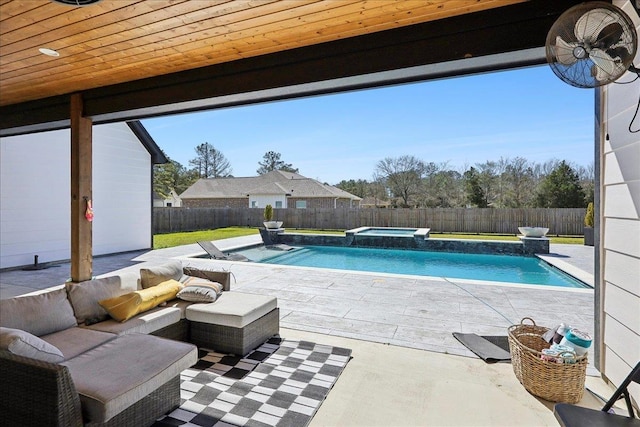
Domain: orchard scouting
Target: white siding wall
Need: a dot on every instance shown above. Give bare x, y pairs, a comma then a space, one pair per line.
34, 198
35, 201
121, 190
620, 229
264, 200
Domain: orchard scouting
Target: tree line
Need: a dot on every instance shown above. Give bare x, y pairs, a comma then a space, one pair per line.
407, 181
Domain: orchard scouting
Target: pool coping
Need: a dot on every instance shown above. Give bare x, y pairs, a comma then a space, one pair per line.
571, 270
418, 233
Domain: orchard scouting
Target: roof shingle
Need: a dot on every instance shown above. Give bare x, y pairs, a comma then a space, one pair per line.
272, 183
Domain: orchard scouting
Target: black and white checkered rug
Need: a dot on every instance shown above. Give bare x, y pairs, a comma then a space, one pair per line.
282, 383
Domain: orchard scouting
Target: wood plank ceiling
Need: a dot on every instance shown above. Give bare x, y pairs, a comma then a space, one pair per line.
118, 41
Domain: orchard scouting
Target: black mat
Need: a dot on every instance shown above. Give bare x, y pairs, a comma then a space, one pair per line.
490, 348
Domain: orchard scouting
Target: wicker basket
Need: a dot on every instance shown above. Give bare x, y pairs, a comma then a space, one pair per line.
556, 382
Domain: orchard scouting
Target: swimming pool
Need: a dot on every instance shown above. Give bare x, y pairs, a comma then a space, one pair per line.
408, 232
499, 268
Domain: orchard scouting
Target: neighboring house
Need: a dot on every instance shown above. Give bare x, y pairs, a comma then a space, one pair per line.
158, 200
171, 201
279, 189
35, 176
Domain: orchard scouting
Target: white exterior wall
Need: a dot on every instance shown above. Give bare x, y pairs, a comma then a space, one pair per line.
121, 190
620, 228
264, 200
35, 191
35, 182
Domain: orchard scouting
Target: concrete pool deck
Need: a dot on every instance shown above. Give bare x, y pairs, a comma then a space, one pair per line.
391, 385
408, 311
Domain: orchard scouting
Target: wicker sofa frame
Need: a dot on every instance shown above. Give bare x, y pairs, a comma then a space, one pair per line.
43, 394
239, 341
37, 393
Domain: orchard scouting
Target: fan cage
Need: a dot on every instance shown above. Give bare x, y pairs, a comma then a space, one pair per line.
581, 72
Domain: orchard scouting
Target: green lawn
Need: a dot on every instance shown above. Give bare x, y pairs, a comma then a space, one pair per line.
177, 239
571, 240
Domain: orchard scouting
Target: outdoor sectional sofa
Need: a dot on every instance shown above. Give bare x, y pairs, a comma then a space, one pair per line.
65, 361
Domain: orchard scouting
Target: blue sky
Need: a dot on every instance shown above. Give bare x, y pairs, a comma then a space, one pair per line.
463, 121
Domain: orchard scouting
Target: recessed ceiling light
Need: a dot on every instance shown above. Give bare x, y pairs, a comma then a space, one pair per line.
76, 2
48, 52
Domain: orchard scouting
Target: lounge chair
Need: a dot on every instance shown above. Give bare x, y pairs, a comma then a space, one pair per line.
268, 243
572, 415
215, 253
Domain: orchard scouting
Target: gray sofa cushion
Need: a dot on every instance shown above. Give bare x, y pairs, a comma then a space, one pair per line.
114, 376
154, 275
74, 341
144, 323
180, 305
39, 314
232, 309
84, 296
23, 343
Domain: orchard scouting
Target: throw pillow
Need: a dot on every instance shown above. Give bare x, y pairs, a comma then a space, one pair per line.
222, 277
197, 289
23, 343
124, 307
152, 276
39, 314
84, 296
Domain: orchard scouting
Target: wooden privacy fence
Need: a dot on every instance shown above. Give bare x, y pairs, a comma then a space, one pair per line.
560, 221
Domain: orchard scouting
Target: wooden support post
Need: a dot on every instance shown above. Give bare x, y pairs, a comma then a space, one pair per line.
81, 192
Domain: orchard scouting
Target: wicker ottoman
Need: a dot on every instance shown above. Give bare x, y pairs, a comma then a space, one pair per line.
236, 323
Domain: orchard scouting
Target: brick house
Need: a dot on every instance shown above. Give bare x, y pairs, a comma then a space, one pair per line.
280, 189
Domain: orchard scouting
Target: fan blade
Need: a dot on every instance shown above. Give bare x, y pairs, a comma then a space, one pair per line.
605, 66
589, 25
564, 51
617, 41
610, 35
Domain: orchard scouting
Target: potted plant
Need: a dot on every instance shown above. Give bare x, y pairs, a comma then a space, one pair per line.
588, 225
268, 218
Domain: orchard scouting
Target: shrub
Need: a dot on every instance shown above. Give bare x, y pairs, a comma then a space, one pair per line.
588, 218
268, 213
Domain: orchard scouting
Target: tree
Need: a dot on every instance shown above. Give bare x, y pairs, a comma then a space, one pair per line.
358, 187
402, 175
561, 189
429, 192
172, 176
488, 180
210, 162
449, 191
271, 162
473, 190
518, 183
587, 180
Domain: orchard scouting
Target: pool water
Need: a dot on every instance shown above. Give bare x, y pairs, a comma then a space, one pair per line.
499, 268
388, 232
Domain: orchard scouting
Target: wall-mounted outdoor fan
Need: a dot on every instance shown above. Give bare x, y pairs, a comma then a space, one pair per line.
592, 44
